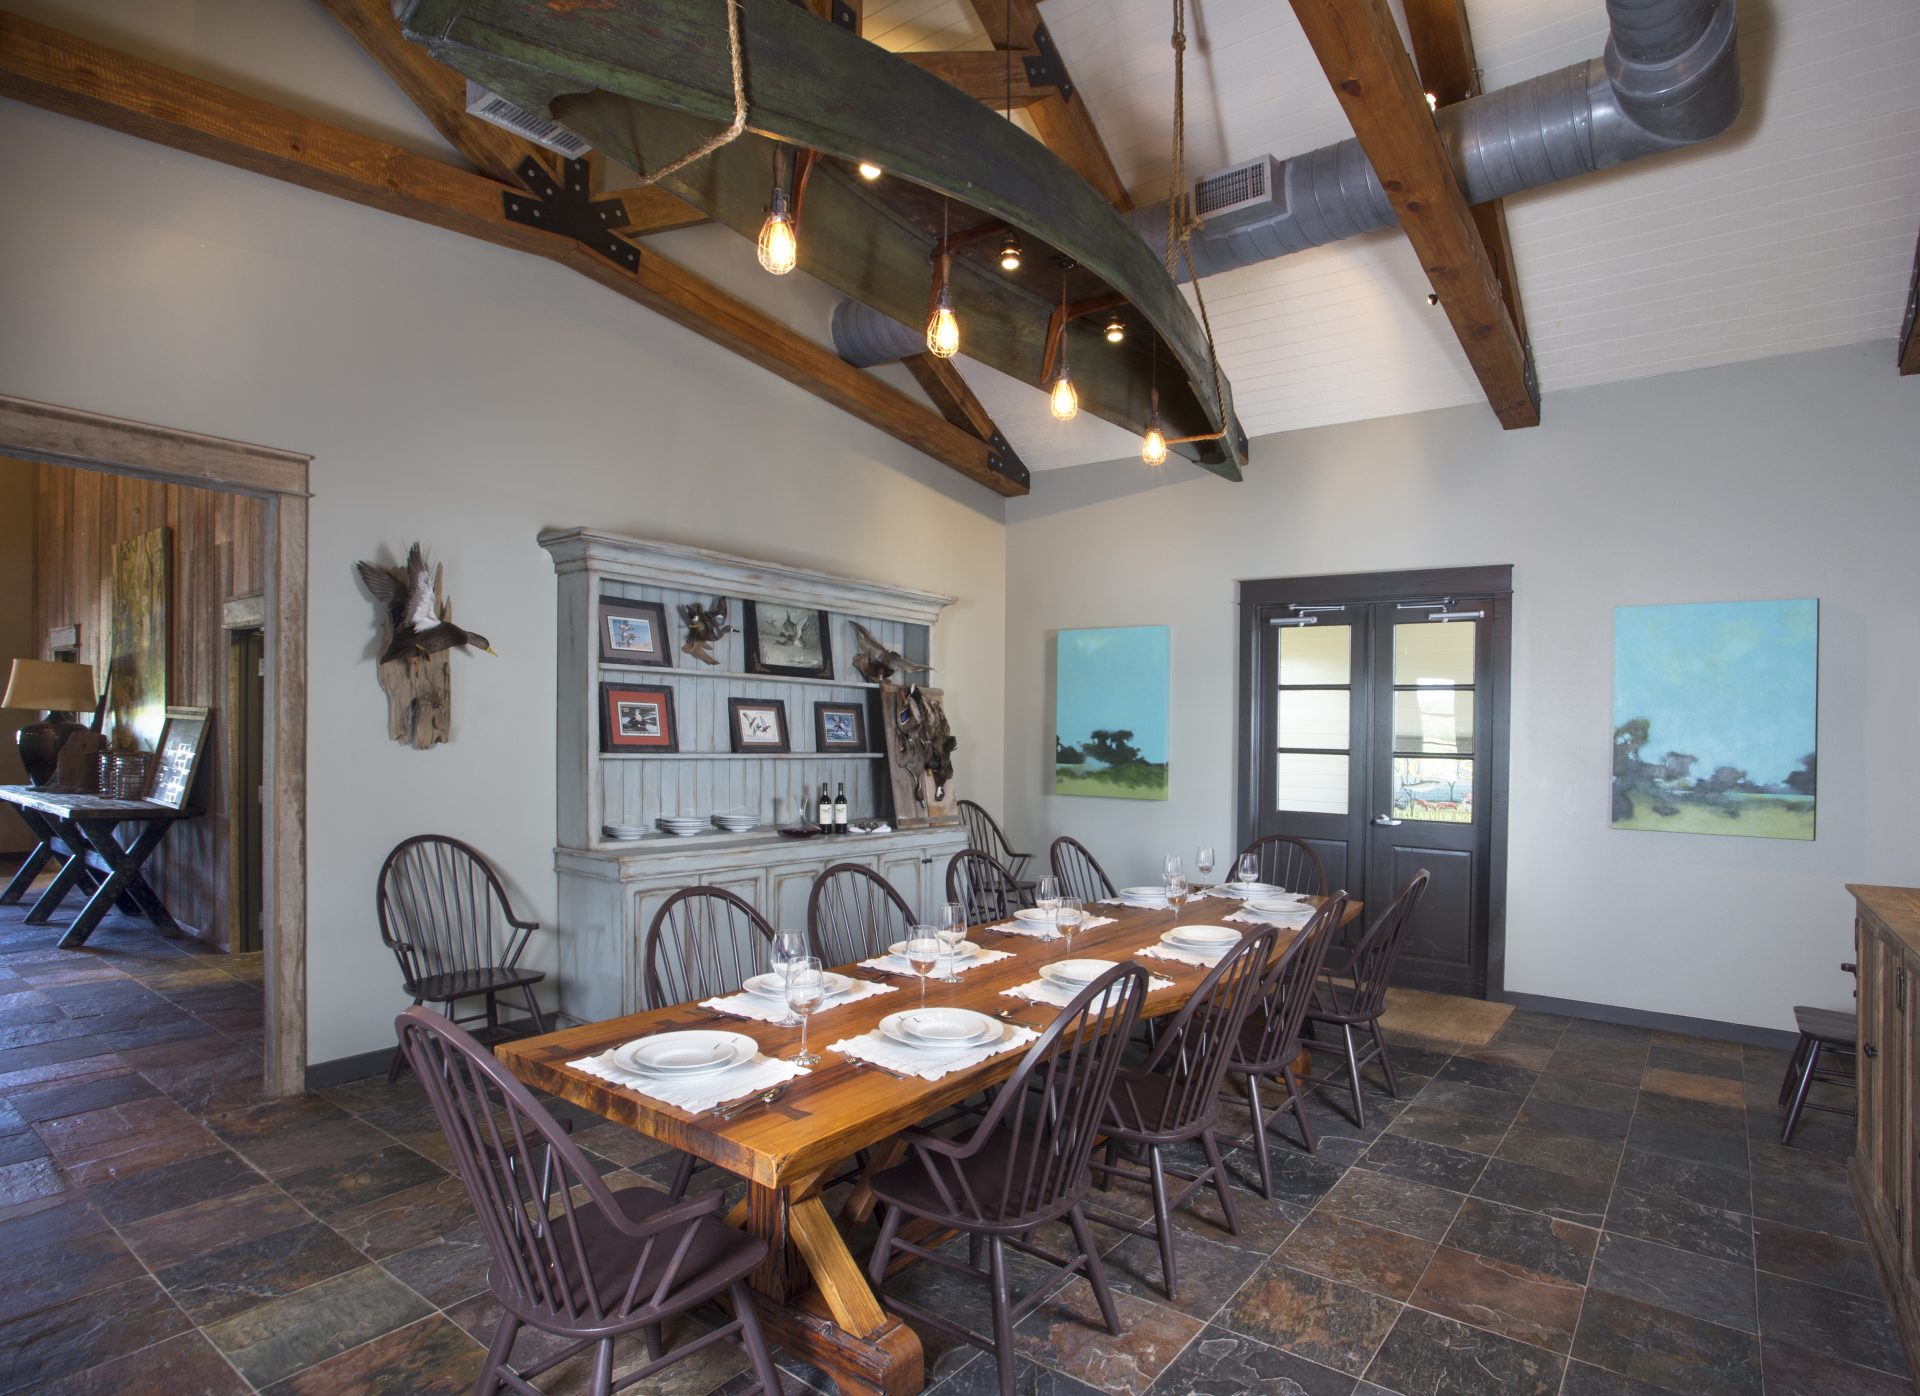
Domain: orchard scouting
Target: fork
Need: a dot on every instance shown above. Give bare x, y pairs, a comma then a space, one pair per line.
766, 1097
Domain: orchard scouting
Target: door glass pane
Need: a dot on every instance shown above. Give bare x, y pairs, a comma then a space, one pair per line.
1429, 788
1316, 654
1436, 721
1433, 653
1315, 717
1314, 783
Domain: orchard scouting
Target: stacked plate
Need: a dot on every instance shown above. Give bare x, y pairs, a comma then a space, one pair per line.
1034, 915
669, 1056
681, 825
1202, 940
1074, 975
734, 823
941, 1029
1252, 889
1278, 904
1152, 898
966, 951
624, 831
774, 985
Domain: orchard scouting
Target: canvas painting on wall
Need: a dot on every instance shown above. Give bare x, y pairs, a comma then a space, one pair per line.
138, 686
1110, 712
1714, 717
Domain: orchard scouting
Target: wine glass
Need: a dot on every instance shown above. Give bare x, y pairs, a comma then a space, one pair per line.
1066, 919
1176, 890
806, 991
1203, 859
1249, 869
923, 950
1172, 867
952, 934
788, 947
1046, 894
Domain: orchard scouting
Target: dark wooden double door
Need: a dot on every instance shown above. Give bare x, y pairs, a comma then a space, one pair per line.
1374, 726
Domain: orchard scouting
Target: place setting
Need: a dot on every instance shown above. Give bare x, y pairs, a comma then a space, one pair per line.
1061, 980
764, 996
695, 1069
928, 948
929, 1043
1194, 944
1051, 917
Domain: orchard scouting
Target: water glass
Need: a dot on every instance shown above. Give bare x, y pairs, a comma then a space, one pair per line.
951, 935
1176, 892
788, 947
1067, 918
1249, 868
1203, 859
1046, 893
923, 950
806, 991
1172, 866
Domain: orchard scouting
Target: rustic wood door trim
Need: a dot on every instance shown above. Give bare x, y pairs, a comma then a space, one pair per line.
67, 436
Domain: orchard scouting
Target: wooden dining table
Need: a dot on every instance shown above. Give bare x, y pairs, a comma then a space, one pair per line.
813, 1294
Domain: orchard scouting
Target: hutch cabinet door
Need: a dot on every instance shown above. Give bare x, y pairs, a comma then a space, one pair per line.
1868, 950
918, 879
789, 886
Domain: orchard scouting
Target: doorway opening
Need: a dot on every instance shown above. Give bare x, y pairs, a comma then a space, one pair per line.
1373, 725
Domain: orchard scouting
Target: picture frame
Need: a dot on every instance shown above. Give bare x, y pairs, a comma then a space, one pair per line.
840, 727
790, 640
638, 718
634, 632
758, 725
176, 756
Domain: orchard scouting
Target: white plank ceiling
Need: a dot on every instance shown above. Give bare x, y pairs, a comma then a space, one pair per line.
1793, 231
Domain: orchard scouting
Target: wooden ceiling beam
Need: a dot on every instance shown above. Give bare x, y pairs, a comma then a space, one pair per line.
441, 95
1359, 48
1061, 119
90, 82
1908, 346
942, 382
1442, 45
982, 75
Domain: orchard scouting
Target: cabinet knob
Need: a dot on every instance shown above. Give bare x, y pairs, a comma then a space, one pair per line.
1870, 1049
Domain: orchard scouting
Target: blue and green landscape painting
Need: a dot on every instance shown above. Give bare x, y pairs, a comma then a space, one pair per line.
1714, 714
1110, 712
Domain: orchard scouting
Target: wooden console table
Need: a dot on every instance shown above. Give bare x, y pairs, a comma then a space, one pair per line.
79, 830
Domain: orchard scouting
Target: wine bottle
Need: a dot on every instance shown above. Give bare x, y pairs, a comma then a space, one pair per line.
824, 812
840, 810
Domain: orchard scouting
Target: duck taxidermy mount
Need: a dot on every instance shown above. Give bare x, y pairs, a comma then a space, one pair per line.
706, 627
877, 662
420, 634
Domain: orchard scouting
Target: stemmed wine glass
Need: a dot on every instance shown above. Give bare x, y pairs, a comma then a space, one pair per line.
952, 934
788, 948
923, 953
1249, 869
1203, 859
1046, 894
806, 991
1176, 885
1066, 919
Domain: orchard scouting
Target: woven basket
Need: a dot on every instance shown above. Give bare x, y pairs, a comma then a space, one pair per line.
124, 774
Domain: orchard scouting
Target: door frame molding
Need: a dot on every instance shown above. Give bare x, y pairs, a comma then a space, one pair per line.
68, 436
1369, 587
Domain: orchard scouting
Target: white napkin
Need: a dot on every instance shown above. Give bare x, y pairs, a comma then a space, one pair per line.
1222, 892
1162, 951
697, 1093
1046, 991
897, 964
880, 1050
766, 1010
1043, 930
1292, 920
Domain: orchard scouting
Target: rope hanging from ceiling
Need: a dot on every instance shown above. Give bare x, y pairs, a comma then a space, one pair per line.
739, 123
1181, 220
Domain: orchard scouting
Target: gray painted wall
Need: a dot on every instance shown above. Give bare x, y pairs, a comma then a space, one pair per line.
1795, 476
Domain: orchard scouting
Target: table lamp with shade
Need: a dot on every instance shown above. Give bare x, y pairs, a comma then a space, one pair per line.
58, 689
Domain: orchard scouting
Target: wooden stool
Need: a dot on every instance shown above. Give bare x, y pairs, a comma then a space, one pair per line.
1821, 1030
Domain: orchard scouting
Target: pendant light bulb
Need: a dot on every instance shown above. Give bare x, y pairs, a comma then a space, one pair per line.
1063, 402
778, 247
869, 171
1115, 330
1010, 252
943, 330
1153, 446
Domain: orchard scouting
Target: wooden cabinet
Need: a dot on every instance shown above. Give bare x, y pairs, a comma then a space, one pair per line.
1885, 1173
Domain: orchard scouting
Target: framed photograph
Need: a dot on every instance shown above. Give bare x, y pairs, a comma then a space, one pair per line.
758, 724
840, 726
635, 632
636, 717
789, 640
177, 756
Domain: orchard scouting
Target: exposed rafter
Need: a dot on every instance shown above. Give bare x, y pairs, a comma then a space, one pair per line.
1359, 48
88, 81
982, 75
1908, 345
1443, 52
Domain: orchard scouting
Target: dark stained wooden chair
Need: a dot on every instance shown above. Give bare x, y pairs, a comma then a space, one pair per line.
984, 886
570, 1257
853, 913
1174, 1095
1079, 872
1287, 862
1271, 1038
1026, 1163
449, 923
1359, 996
1825, 1034
984, 836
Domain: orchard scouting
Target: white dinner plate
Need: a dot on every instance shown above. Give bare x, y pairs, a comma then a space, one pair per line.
966, 952
1206, 939
895, 1027
1286, 905
1253, 889
1034, 913
774, 985
1144, 894
1074, 974
693, 1053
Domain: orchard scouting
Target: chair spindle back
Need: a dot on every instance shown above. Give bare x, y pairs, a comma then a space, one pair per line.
1287, 992
1379, 949
1288, 863
703, 941
854, 914
1079, 872
982, 884
443, 911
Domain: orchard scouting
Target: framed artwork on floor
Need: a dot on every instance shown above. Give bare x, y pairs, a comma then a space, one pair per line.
839, 726
634, 632
790, 640
177, 756
758, 724
637, 717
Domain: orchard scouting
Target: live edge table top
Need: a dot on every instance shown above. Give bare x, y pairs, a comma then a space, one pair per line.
844, 1105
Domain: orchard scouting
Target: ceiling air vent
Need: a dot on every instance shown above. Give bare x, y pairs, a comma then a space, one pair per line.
492, 107
1241, 193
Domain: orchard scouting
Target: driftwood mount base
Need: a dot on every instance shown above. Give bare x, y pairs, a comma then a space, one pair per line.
419, 690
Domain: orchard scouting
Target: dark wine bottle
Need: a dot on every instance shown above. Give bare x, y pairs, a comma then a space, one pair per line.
840, 810
824, 811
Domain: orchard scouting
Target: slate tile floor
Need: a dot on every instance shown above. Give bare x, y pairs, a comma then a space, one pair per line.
1575, 1208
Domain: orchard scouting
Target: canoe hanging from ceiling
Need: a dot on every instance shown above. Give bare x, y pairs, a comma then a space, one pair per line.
645, 81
